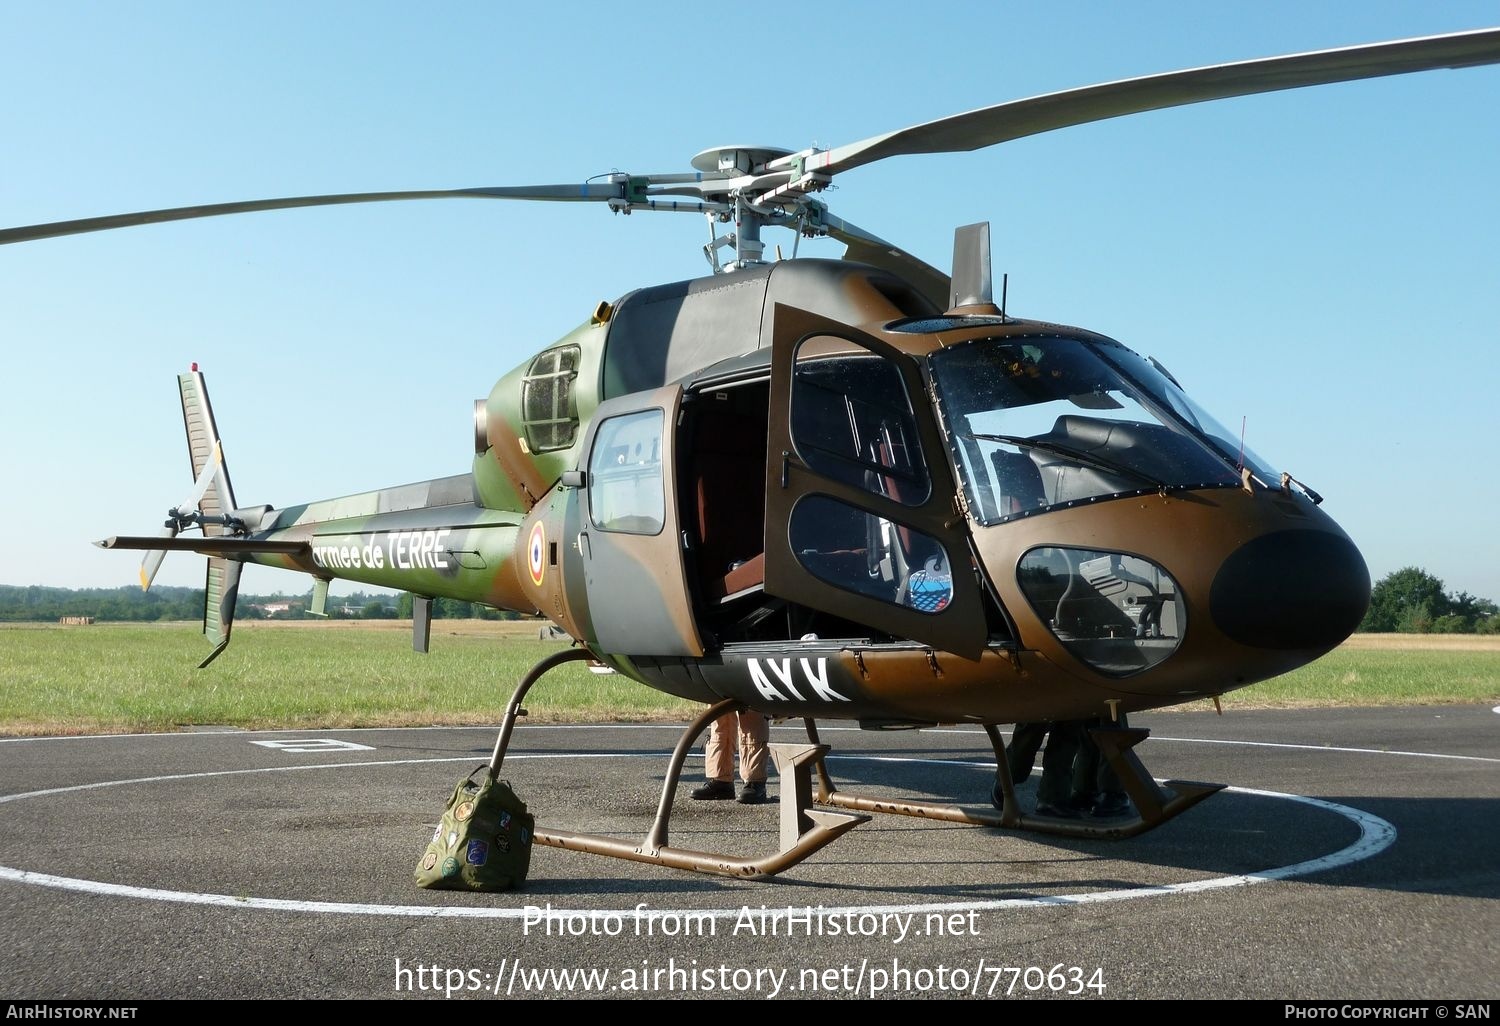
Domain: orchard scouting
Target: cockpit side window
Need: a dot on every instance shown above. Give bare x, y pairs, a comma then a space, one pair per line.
852, 421
625, 474
858, 551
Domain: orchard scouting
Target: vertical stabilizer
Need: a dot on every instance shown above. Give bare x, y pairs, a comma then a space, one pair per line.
421, 623
319, 597
204, 448
220, 589
973, 282
212, 496
213, 500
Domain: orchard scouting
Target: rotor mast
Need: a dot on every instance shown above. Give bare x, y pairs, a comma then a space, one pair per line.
753, 195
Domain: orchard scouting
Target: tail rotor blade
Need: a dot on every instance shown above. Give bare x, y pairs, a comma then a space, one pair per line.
152, 562
213, 471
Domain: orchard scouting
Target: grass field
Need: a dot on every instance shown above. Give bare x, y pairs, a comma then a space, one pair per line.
1388, 669
136, 677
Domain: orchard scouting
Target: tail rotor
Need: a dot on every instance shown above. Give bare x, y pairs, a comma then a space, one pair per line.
209, 507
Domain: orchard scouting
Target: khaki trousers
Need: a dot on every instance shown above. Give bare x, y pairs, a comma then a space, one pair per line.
749, 732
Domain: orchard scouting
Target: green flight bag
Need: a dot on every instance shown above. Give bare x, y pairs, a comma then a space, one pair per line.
483, 842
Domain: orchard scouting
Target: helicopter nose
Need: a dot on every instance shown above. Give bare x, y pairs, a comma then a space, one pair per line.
1297, 589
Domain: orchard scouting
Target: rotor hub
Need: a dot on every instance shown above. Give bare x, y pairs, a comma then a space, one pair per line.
737, 159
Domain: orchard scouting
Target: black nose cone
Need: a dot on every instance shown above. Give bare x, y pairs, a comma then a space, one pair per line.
1291, 590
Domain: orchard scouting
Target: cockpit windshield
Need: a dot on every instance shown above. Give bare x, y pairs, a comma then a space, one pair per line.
1040, 422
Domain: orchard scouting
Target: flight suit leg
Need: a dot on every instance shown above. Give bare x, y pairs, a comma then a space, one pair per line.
754, 735
1063, 743
718, 750
1020, 755
1096, 786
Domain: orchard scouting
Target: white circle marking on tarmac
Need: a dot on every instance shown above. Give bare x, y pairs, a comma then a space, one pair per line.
678, 727
1375, 835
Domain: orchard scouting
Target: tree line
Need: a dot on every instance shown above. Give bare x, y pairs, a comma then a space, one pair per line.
38, 603
1413, 601
1406, 601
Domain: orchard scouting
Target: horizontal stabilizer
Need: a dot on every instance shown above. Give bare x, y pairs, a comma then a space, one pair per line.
207, 546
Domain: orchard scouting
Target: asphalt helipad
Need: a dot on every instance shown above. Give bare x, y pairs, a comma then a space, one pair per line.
1354, 858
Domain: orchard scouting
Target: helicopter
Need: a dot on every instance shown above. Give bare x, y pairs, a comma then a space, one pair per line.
854, 489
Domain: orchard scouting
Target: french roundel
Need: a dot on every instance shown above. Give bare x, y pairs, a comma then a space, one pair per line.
535, 552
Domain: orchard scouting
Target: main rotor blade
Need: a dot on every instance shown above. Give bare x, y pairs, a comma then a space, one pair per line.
875, 251
589, 191
1015, 120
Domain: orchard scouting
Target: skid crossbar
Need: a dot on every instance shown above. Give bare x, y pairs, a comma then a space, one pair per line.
1154, 804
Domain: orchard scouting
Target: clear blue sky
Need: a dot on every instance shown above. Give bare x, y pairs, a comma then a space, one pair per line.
1322, 262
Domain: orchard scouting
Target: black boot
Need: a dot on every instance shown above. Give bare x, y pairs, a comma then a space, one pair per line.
753, 793
713, 791
1110, 805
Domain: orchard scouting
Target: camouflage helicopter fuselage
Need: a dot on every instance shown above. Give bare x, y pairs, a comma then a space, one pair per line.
887, 569
845, 489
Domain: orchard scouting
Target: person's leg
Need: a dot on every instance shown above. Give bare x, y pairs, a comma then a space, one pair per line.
1110, 798
1020, 757
1054, 794
1020, 754
718, 750
718, 761
1088, 767
754, 735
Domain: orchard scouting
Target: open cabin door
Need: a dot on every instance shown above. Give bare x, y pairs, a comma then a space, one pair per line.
860, 515
631, 542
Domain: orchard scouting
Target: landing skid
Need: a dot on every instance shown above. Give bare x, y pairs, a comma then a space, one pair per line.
1153, 804
804, 830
